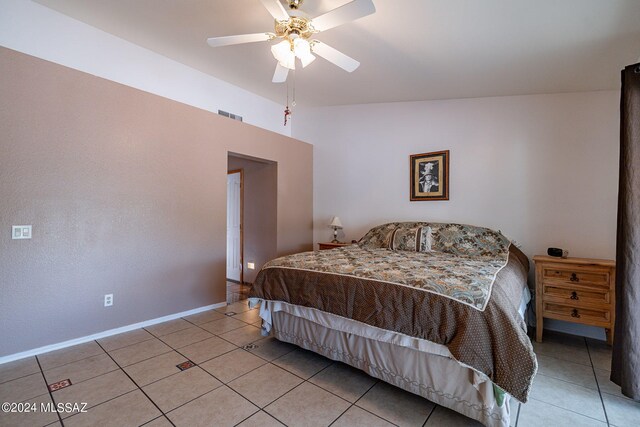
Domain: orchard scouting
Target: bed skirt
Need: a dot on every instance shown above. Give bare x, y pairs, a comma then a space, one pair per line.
435, 377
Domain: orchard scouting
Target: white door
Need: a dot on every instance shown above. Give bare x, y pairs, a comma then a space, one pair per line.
234, 196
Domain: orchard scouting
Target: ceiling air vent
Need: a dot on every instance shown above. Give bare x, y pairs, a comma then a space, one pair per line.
230, 115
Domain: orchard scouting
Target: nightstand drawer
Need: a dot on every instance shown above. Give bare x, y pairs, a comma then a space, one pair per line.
571, 275
576, 294
577, 314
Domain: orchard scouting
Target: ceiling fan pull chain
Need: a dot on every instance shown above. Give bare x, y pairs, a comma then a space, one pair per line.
287, 111
293, 103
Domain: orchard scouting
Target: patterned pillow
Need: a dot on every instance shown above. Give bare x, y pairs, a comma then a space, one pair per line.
416, 239
379, 236
469, 240
457, 239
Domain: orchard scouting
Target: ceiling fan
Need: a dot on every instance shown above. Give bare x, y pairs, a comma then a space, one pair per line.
296, 34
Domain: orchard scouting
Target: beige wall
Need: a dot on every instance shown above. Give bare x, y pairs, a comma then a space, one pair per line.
126, 192
260, 219
543, 169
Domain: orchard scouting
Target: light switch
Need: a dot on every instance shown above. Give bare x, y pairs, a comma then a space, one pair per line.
251, 265
21, 232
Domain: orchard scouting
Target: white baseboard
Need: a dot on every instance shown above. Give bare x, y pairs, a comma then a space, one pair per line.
104, 334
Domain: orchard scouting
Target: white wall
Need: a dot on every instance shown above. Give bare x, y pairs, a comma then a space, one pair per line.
36, 30
543, 169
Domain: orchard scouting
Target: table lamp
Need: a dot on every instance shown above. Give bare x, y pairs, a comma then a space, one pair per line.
335, 224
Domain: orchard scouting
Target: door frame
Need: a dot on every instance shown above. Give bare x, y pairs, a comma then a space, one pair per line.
241, 172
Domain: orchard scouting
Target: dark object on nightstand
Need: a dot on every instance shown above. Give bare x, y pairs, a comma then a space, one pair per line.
557, 252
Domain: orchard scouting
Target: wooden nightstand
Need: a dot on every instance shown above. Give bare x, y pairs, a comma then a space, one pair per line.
579, 290
323, 246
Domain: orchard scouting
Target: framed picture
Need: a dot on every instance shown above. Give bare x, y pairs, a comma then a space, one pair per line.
429, 178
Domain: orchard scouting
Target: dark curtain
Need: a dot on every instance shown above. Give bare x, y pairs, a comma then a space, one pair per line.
625, 365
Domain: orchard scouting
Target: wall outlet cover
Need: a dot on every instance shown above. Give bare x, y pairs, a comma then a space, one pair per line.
19, 232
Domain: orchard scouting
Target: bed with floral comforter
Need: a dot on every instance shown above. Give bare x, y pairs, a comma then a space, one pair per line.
463, 293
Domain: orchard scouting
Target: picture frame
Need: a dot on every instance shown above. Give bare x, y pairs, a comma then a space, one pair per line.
429, 176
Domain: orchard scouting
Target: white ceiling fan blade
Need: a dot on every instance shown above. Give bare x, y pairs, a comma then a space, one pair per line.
280, 75
239, 39
276, 9
335, 56
351, 11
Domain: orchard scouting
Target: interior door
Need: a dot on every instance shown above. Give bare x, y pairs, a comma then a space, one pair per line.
234, 226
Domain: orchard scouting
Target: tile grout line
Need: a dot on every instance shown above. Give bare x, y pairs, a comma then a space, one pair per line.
223, 384
270, 402
67, 363
23, 376
568, 410
140, 361
377, 380
351, 404
156, 418
278, 398
308, 379
88, 357
593, 369
564, 360
48, 390
430, 413
341, 414
136, 384
379, 416
565, 381
99, 404
245, 419
129, 345
260, 410
190, 400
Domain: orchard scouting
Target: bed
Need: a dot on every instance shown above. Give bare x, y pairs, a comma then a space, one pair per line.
434, 308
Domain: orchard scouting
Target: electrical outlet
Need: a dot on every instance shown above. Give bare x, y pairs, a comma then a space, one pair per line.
108, 300
251, 265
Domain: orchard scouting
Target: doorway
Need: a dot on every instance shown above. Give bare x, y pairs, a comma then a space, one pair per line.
252, 220
234, 225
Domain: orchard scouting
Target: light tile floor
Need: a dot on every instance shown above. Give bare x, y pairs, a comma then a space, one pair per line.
240, 378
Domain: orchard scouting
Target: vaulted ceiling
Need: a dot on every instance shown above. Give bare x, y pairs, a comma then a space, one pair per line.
409, 50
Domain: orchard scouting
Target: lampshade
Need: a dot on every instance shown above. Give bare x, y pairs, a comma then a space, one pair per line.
282, 51
335, 222
301, 47
307, 59
289, 62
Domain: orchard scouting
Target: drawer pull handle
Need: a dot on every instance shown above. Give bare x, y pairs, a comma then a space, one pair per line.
575, 313
574, 278
574, 295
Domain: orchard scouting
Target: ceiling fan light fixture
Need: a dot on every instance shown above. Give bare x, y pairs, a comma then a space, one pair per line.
301, 47
282, 51
307, 59
295, 35
289, 62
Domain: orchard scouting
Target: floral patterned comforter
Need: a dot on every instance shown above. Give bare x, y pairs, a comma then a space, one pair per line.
467, 303
463, 278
